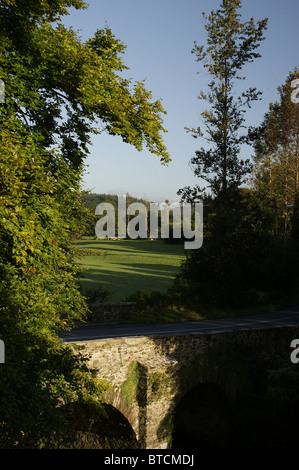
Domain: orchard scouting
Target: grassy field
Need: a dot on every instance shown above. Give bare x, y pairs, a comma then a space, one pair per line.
127, 265
120, 267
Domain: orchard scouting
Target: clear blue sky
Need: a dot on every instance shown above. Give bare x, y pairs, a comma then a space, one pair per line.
159, 36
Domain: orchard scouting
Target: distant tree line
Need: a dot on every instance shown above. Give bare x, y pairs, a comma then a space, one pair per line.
91, 200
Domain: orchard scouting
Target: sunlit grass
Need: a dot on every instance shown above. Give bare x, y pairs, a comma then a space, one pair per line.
127, 265
121, 267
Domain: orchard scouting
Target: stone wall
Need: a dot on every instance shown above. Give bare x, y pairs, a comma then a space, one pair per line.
168, 366
110, 312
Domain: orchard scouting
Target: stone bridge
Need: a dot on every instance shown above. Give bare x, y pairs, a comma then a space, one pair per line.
150, 375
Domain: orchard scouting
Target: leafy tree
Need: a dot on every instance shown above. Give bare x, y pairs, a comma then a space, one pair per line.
231, 44
58, 91
64, 89
38, 296
276, 171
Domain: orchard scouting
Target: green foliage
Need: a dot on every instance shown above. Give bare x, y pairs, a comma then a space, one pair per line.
58, 91
90, 202
145, 299
38, 296
250, 251
40, 377
36, 250
276, 172
240, 263
65, 90
160, 384
96, 295
295, 221
130, 387
231, 44
268, 420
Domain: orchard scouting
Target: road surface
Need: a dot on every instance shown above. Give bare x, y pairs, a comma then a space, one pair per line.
289, 317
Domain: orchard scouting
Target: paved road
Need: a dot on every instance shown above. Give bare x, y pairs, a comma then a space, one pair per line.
289, 317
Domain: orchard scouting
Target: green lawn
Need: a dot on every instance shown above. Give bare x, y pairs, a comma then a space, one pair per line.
123, 266
128, 265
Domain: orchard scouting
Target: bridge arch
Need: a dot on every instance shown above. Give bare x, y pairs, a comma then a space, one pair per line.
130, 399
105, 428
171, 366
201, 418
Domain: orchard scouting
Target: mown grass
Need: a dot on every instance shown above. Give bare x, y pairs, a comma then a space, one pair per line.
127, 265
122, 267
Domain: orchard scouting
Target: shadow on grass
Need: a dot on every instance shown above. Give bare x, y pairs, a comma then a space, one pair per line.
122, 283
127, 246
129, 265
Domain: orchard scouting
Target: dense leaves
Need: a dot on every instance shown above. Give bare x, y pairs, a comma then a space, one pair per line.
276, 170
38, 296
65, 90
241, 264
58, 91
250, 250
231, 44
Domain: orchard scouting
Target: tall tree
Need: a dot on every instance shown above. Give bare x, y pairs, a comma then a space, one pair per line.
231, 44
